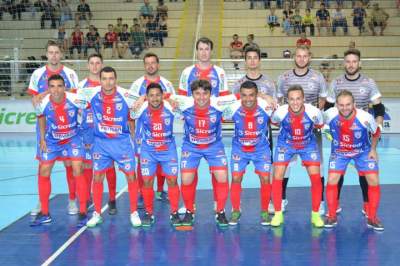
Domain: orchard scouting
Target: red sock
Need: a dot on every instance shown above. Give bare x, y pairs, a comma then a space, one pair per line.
133, 194
316, 191
97, 195
194, 186
81, 187
139, 176
44, 184
111, 176
374, 195
188, 197
236, 189
160, 179
214, 186
173, 195
222, 195
88, 173
277, 194
331, 198
148, 198
265, 195
71, 182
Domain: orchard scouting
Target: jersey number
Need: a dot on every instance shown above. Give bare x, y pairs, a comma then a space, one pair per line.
297, 131
62, 118
250, 125
157, 126
202, 123
346, 138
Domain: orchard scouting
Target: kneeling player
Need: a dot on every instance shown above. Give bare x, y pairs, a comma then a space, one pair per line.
350, 129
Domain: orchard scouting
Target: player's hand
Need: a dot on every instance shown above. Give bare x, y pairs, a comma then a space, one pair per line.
43, 145
138, 103
373, 155
270, 100
37, 99
174, 104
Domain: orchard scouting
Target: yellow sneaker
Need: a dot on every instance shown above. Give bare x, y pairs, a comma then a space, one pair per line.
277, 220
316, 220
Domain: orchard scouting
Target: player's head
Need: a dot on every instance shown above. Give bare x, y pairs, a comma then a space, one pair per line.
95, 64
248, 94
352, 61
204, 47
151, 64
53, 53
252, 56
201, 92
295, 98
345, 103
56, 85
302, 57
154, 94
108, 79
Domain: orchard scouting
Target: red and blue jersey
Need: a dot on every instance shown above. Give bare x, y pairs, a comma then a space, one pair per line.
214, 74
351, 136
296, 130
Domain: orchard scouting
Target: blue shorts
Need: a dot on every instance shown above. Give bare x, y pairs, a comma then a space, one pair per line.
167, 159
213, 154
88, 154
309, 155
73, 150
364, 165
261, 159
106, 151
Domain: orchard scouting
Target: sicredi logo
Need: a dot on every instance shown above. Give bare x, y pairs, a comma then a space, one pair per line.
16, 118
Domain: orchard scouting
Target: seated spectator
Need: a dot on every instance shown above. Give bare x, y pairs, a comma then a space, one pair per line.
272, 19
308, 22
110, 40
146, 9
236, 49
359, 14
83, 13
47, 14
303, 41
118, 27
162, 10
123, 41
323, 18
297, 22
266, 3
250, 42
65, 12
153, 32
379, 18
76, 42
288, 23
339, 20
163, 26
62, 38
138, 41
92, 40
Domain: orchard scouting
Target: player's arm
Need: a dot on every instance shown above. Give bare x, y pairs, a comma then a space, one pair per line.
269, 99
331, 96
131, 125
224, 89
183, 83
37, 99
379, 111
42, 128
279, 90
375, 130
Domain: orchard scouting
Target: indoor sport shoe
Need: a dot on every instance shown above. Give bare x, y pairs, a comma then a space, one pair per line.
41, 219
175, 219
188, 219
330, 222
221, 220
265, 220
82, 220
112, 207
322, 208
284, 204
135, 219
35, 211
72, 207
277, 220
161, 195
148, 220
316, 220
364, 210
375, 224
235, 217
95, 220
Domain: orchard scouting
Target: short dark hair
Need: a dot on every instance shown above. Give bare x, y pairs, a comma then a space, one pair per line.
249, 85
206, 41
147, 55
52, 43
200, 83
56, 77
353, 51
108, 69
345, 93
252, 48
154, 85
295, 88
95, 55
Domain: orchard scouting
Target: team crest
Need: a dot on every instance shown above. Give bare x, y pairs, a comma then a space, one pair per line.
64, 152
127, 166
306, 126
167, 122
335, 142
98, 115
371, 165
213, 119
357, 134
362, 90
118, 106
214, 83
260, 120
313, 156
266, 167
75, 152
174, 170
71, 113
223, 160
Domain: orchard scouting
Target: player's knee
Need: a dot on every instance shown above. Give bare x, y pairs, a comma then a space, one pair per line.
172, 181
237, 178
372, 180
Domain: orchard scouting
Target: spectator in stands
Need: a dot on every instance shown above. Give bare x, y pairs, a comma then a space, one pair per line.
339, 3
288, 23
379, 18
339, 20
162, 10
83, 13
47, 14
236, 50
153, 32
123, 41
303, 40
76, 42
146, 9
110, 40
308, 22
163, 26
250, 42
297, 22
323, 18
92, 40
65, 12
359, 14
62, 38
138, 41
272, 20
118, 27
266, 3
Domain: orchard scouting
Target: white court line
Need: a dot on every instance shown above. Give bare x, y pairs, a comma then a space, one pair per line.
77, 234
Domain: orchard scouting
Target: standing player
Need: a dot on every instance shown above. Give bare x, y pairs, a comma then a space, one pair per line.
250, 143
139, 86
365, 92
296, 137
95, 64
38, 86
315, 92
351, 129
112, 140
59, 140
158, 148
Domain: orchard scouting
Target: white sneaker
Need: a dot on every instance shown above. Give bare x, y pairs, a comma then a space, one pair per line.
284, 204
271, 209
95, 220
36, 210
135, 219
322, 208
72, 207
